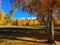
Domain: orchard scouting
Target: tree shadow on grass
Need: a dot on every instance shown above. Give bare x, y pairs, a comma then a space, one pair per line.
57, 36
40, 35
29, 33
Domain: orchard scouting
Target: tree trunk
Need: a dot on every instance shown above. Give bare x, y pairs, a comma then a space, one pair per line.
43, 20
51, 29
51, 32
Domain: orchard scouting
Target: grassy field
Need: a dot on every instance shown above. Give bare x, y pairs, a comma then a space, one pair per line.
27, 37
30, 27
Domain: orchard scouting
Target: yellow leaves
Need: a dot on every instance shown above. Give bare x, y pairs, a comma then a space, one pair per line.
1, 14
25, 21
2, 21
56, 20
14, 22
19, 22
8, 24
36, 22
22, 22
30, 22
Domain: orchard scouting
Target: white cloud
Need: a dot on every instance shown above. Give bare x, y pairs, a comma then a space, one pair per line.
28, 18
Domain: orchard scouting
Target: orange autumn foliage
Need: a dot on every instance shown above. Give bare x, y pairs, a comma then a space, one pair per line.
31, 22
25, 21
36, 22
14, 22
2, 21
19, 22
56, 20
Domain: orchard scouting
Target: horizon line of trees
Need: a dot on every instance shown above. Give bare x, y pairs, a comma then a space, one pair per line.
30, 22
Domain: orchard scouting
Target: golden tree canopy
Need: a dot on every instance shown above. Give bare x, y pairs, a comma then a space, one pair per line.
1, 14
40, 6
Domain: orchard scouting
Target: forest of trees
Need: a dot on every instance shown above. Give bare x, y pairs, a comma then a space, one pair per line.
24, 22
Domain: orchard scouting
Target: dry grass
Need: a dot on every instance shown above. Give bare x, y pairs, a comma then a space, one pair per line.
57, 43
27, 38
19, 42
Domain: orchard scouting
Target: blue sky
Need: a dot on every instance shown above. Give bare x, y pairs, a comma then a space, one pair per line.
6, 7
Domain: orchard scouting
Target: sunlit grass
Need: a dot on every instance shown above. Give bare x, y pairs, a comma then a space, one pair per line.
18, 42
38, 26
32, 27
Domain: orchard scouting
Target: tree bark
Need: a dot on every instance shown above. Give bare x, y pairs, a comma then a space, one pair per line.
51, 29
